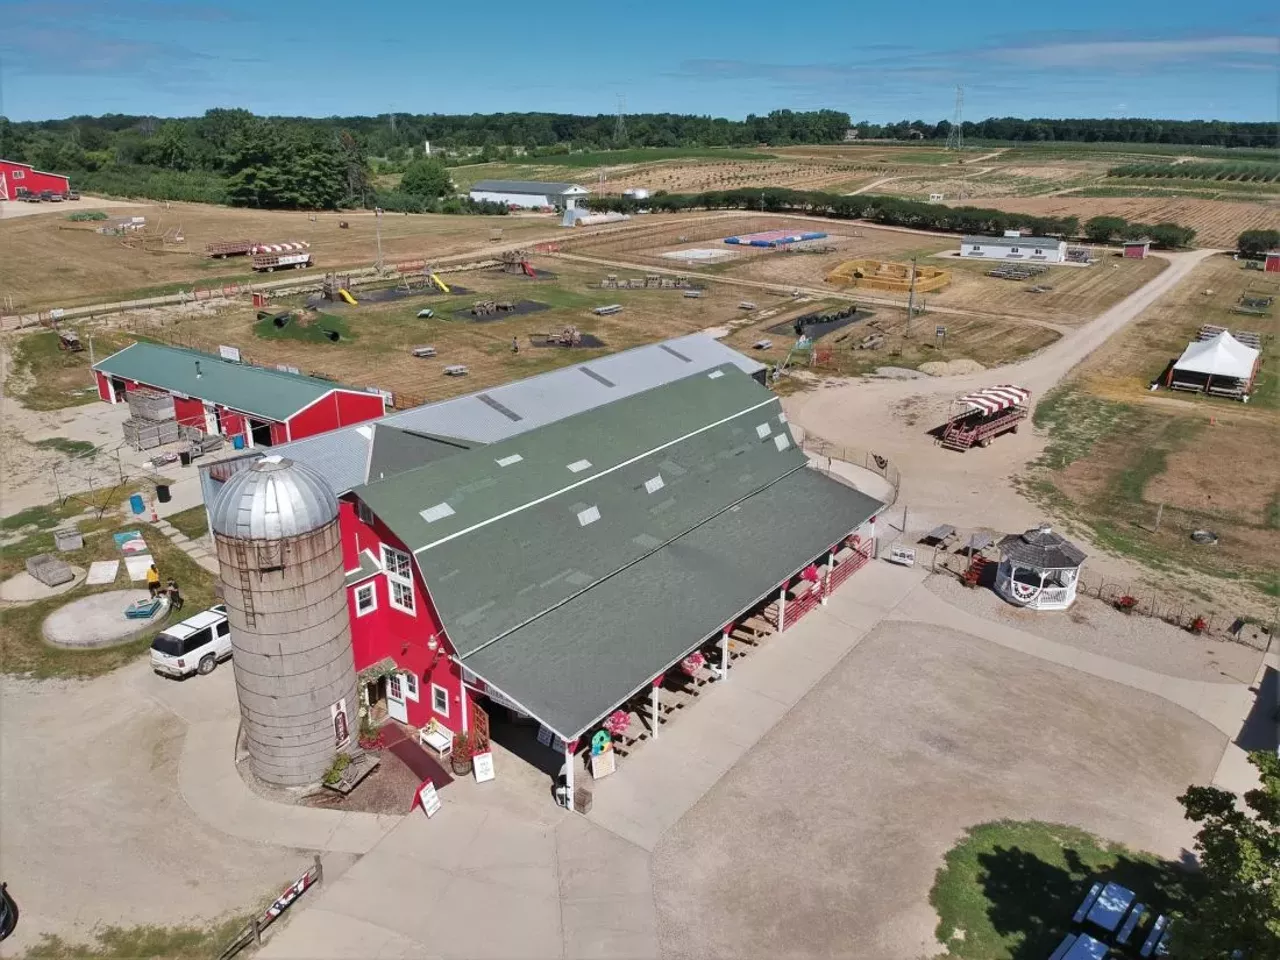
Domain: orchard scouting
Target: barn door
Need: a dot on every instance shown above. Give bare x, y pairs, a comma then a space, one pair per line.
480, 726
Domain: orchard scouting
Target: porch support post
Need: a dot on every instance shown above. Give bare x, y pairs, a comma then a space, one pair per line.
782, 607
656, 708
569, 746
831, 565
724, 654
875, 545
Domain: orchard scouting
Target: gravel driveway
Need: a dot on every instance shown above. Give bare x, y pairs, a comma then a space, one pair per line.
824, 840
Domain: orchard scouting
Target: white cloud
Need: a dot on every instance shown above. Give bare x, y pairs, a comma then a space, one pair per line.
1129, 53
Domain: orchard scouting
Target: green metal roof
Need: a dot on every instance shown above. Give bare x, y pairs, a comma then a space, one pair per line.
270, 394
525, 524
574, 664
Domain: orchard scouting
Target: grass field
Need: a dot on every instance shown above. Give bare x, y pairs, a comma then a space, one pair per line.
46, 378
1008, 890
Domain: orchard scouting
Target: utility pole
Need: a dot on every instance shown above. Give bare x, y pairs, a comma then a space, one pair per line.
377, 227
620, 125
911, 296
955, 136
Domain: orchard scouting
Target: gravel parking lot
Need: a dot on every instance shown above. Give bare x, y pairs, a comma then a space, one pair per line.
824, 839
95, 831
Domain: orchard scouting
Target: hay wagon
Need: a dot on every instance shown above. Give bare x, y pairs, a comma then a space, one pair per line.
978, 418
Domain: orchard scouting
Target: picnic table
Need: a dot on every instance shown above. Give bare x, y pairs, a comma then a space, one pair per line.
941, 534
1079, 947
1109, 908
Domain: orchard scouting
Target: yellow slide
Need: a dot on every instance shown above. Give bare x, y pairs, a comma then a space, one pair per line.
444, 287
346, 295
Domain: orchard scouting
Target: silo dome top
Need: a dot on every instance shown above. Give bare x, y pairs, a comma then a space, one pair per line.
273, 499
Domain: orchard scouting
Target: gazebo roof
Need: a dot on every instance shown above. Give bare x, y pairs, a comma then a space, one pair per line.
1041, 548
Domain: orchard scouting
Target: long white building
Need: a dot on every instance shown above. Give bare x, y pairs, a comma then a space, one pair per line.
530, 194
1034, 249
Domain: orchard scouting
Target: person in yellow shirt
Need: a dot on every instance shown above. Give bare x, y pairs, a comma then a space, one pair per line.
153, 580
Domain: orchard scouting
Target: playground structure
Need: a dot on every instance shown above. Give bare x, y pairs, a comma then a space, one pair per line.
337, 287
889, 276
651, 281
978, 418
489, 308
517, 261
568, 337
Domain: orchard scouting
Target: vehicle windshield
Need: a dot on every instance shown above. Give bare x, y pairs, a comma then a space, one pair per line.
167, 644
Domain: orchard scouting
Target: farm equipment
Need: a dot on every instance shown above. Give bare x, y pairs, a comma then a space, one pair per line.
69, 340
222, 249
981, 416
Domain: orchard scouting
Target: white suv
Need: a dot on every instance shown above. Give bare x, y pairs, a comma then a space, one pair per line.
193, 646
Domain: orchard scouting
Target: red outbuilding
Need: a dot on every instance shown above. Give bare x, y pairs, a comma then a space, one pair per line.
1273, 261
260, 406
1137, 249
15, 176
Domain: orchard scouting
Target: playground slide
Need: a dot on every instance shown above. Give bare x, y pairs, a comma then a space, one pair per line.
345, 294
527, 267
444, 287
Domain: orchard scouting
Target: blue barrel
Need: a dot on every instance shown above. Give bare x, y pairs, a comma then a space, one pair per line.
136, 504
237, 442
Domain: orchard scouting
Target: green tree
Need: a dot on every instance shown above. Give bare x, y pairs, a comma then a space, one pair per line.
1104, 229
426, 177
1254, 243
1170, 236
1239, 851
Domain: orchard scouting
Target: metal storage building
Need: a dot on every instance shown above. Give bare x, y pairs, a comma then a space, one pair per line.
265, 407
530, 194
1032, 249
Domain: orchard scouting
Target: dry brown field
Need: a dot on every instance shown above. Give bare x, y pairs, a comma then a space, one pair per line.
50, 261
696, 176
1217, 222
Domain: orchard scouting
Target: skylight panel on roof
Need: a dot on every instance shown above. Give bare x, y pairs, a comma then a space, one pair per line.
675, 353
781, 441
579, 465
587, 516
438, 512
782, 417
508, 461
603, 381
715, 374
507, 412
762, 430
654, 484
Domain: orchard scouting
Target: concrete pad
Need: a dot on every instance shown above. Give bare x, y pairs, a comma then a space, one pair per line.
611, 927
98, 620
22, 587
320, 934
102, 572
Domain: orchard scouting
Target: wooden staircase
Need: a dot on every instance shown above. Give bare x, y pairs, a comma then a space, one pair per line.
977, 565
957, 438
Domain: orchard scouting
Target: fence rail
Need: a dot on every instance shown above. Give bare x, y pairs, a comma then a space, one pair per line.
856, 456
252, 931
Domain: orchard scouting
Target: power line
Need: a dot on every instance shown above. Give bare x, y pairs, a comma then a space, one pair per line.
620, 125
955, 136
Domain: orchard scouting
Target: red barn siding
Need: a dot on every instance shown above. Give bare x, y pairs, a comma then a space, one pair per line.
104, 386
233, 424
341, 408
189, 412
23, 175
279, 434
390, 632
1273, 263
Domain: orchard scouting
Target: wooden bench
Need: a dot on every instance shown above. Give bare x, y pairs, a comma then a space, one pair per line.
456, 370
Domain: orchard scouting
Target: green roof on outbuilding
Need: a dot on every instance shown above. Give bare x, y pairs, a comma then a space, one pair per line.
270, 394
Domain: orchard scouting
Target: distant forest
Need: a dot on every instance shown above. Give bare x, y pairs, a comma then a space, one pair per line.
235, 157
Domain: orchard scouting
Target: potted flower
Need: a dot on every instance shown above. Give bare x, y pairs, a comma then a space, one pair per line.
460, 757
1126, 603
1199, 625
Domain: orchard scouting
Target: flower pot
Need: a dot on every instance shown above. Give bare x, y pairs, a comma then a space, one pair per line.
461, 764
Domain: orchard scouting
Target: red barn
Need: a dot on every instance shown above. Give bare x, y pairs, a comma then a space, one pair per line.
264, 407
14, 175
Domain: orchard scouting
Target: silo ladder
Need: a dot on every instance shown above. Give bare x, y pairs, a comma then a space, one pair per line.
246, 586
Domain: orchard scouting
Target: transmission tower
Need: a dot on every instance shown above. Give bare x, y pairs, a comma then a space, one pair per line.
955, 136
620, 125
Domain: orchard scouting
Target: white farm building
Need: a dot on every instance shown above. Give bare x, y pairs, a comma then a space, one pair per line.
1034, 249
530, 194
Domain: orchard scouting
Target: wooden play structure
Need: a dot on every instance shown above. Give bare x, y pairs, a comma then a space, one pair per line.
568, 337
517, 261
888, 275
978, 418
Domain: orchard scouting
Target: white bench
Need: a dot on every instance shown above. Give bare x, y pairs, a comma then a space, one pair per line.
437, 738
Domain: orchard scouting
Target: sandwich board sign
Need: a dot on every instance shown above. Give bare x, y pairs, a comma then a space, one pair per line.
482, 764
429, 799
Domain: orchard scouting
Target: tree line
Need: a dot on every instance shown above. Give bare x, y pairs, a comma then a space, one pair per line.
901, 212
1208, 133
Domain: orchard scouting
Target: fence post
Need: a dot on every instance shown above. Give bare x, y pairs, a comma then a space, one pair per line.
319, 869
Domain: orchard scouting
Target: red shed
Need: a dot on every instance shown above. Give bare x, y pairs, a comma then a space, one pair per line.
1273, 261
265, 407
1137, 249
14, 175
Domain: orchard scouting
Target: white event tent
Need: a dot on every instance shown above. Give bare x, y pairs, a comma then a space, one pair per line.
1221, 356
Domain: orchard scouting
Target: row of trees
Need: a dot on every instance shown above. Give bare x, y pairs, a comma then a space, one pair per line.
898, 211
1237, 171
1254, 243
1214, 133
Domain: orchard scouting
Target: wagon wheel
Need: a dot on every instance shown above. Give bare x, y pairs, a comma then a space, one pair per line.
984, 442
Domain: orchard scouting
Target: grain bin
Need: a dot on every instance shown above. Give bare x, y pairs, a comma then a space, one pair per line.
275, 526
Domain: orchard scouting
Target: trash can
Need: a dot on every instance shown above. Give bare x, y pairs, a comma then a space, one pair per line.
238, 441
184, 457
162, 493
136, 504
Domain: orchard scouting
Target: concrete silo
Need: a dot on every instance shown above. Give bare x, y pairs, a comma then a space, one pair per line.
275, 525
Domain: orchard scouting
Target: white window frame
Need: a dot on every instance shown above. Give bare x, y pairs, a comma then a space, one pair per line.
410, 686
18, 174
439, 695
390, 553
394, 584
372, 589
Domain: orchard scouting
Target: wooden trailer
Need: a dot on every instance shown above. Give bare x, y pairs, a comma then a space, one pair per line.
978, 418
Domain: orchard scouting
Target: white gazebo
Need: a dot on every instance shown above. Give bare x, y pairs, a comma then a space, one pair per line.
1039, 569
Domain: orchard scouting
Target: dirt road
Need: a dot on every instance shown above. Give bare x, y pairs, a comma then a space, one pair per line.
893, 417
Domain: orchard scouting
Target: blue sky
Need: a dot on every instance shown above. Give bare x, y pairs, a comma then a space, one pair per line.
877, 61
